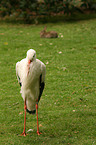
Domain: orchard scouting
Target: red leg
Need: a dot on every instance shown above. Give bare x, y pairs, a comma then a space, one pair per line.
25, 107
37, 119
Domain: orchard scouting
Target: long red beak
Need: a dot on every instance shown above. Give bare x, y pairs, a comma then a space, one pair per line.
29, 66
29, 61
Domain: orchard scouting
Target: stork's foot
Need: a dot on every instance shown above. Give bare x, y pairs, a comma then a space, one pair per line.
24, 134
39, 133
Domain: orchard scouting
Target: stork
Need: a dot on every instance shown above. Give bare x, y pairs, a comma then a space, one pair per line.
31, 77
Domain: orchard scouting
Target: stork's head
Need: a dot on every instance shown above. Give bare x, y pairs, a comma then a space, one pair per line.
31, 55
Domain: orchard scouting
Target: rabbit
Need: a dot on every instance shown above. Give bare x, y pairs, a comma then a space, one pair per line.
49, 34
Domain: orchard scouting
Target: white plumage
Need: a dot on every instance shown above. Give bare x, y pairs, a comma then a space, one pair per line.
31, 76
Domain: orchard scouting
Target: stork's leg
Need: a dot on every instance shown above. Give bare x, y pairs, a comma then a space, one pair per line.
37, 119
25, 107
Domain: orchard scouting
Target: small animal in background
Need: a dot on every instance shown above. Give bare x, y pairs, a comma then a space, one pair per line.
49, 34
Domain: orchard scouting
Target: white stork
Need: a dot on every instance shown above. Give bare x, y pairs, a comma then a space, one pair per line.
31, 77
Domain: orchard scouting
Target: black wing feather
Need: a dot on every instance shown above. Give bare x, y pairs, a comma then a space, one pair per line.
42, 85
19, 81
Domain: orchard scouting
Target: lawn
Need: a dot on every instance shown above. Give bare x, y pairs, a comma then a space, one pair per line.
67, 109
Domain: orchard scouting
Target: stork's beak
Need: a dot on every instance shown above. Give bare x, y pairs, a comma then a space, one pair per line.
29, 61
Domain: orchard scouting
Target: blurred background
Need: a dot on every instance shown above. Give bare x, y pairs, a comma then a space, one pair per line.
37, 11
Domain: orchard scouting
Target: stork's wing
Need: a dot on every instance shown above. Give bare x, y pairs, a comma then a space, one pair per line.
43, 70
42, 79
20, 70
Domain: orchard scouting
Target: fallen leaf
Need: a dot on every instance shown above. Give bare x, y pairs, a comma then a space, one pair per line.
20, 113
59, 52
73, 92
61, 36
47, 62
30, 130
1, 33
21, 31
5, 43
40, 125
64, 68
40, 44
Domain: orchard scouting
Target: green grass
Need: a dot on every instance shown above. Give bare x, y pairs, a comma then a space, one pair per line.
67, 109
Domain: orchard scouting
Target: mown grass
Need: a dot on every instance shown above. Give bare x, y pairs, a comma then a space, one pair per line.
67, 109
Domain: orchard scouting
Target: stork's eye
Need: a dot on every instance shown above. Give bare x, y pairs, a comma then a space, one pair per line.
34, 55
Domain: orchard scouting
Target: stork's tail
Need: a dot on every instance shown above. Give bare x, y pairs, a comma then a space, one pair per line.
31, 112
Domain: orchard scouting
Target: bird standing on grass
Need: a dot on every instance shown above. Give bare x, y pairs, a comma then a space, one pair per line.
31, 77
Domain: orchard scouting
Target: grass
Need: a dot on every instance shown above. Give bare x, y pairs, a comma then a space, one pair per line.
67, 109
